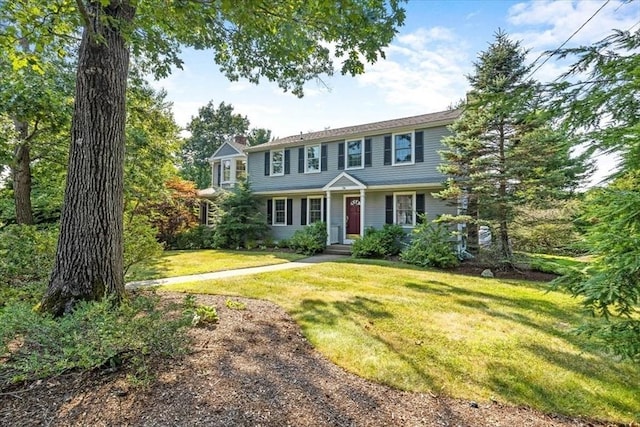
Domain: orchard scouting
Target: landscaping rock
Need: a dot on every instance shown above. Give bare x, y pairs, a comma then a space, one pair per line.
487, 273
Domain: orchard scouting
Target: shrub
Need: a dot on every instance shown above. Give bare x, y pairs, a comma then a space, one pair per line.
382, 243
430, 246
200, 237
140, 244
26, 253
311, 240
94, 335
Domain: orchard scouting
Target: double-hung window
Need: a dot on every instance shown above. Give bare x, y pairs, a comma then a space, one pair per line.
403, 148
241, 169
315, 209
354, 154
312, 158
277, 162
404, 209
279, 211
226, 170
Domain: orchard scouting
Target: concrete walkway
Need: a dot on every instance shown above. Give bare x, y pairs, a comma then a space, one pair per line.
302, 263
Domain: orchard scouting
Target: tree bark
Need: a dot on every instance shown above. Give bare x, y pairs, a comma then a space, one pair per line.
21, 175
89, 257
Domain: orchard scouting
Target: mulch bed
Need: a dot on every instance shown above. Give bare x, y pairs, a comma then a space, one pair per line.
253, 369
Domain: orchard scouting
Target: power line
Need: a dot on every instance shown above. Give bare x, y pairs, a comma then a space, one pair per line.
566, 41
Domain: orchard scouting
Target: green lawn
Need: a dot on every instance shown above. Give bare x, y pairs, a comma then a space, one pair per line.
462, 336
182, 263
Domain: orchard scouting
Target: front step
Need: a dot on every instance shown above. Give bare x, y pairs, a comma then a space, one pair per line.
338, 250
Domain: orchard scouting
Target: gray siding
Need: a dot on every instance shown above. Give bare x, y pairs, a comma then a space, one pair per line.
226, 150
377, 174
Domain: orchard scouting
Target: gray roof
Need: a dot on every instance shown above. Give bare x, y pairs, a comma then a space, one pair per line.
423, 120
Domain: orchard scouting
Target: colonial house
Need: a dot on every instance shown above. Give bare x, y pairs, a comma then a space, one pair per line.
351, 178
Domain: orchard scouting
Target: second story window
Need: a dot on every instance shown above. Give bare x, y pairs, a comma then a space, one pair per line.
403, 148
277, 162
312, 158
354, 154
226, 170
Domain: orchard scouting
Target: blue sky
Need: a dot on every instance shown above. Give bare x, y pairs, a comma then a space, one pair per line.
424, 70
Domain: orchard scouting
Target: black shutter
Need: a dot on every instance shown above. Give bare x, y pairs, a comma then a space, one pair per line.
218, 167
367, 152
287, 162
323, 157
301, 160
341, 156
289, 211
388, 203
324, 209
270, 211
419, 147
303, 211
420, 207
267, 163
387, 150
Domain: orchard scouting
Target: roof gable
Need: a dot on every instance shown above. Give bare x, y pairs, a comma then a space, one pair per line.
227, 149
344, 181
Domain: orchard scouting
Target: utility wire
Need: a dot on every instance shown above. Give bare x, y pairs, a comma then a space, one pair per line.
566, 41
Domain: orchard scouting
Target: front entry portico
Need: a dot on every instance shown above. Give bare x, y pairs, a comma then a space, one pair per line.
351, 220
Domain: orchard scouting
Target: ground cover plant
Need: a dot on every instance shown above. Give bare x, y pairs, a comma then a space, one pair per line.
462, 336
181, 263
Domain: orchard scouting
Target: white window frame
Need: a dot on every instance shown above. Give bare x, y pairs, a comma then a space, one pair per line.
238, 170
309, 199
346, 154
223, 179
273, 212
393, 148
413, 208
307, 158
271, 162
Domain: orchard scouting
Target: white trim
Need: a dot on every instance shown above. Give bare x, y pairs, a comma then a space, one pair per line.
306, 158
309, 198
370, 188
273, 212
413, 207
346, 154
213, 156
232, 168
434, 185
344, 216
357, 185
393, 148
328, 217
271, 173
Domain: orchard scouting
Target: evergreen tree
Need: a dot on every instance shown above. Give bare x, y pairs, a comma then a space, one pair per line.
503, 151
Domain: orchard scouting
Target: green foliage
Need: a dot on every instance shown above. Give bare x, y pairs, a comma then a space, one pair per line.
504, 151
242, 220
26, 253
140, 245
382, 243
602, 109
235, 305
311, 240
431, 246
199, 314
200, 237
95, 335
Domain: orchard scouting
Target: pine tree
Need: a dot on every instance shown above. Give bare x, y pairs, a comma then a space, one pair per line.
503, 151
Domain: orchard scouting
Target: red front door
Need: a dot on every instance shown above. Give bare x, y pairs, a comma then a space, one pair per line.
353, 215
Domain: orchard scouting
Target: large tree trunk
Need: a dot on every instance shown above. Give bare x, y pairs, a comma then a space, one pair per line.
89, 257
21, 175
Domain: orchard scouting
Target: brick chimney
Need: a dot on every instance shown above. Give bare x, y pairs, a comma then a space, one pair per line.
240, 140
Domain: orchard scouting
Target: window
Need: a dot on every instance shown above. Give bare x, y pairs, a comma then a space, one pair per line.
312, 158
403, 148
404, 211
277, 162
241, 169
354, 154
226, 170
279, 211
315, 209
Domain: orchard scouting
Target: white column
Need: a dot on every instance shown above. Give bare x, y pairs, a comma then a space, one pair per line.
362, 209
328, 217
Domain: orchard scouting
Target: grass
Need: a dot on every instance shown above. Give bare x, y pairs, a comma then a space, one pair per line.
182, 263
462, 336
555, 263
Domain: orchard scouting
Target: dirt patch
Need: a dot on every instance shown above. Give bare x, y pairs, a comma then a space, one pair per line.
253, 369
